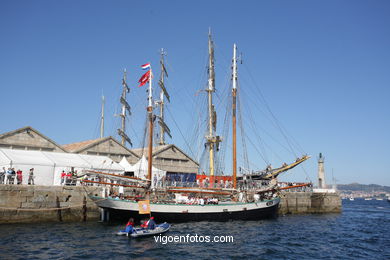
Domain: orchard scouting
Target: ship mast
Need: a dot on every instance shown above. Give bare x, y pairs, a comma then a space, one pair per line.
163, 127
234, 95
125, 107
102, 119
212, 139
150, 115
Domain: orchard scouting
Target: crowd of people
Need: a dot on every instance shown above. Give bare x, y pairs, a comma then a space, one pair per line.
217, 184
11, 176
198, 201
69, 178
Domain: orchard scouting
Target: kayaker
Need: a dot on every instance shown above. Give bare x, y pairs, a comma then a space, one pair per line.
129, 226
151, 223
144, 224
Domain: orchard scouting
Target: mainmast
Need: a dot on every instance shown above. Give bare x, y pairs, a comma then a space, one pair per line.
163, 127
234, 95
150, 115
125, 107
212, 139
102, 119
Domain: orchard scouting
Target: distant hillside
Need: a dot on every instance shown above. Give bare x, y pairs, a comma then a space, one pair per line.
363, 187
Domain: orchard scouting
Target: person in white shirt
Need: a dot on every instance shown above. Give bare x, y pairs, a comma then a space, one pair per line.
8, 177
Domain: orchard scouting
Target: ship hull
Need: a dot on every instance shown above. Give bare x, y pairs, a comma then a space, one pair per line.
123, 210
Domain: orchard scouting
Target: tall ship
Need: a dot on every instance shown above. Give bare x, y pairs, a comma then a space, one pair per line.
250, 197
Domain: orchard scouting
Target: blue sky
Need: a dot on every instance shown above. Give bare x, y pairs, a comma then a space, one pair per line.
323, 68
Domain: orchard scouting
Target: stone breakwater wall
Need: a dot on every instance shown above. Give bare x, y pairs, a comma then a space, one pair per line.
28, 204
309, 202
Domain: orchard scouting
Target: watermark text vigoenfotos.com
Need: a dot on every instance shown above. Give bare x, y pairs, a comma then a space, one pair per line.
193, 239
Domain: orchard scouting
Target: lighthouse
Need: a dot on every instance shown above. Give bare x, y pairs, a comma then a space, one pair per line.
321, 172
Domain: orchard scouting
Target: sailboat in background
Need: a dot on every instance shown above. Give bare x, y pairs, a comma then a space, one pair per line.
177, 204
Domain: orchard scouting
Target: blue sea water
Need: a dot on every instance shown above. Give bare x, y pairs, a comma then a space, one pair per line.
361, 231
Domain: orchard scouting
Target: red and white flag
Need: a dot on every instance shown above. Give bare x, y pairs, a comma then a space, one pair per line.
146, 66
144, 79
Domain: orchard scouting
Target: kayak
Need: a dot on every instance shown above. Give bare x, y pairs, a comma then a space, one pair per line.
122, 233
143, 232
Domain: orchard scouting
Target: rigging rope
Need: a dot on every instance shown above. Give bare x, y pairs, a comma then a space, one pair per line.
275, 120
243, 142
185, 141
221, 155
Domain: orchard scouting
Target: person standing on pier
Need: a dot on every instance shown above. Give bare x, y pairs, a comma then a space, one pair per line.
63, 176
19, 176
13, 176
68, 178
7, 179
31, 177
2, 175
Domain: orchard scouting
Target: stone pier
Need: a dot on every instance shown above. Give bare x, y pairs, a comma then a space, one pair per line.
27, 204
309, 202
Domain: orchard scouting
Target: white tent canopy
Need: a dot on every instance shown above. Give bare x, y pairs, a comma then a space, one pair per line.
48, 165
125, 164
102, 163
65, 162
140, 170
25, 160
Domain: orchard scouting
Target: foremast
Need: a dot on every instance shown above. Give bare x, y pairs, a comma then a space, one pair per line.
125, 108
150, 117
212, 139
161, 103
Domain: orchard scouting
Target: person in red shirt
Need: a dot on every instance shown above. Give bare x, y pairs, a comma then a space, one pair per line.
129, 226
19, 176
130, 222
150, 224
63, 175
68, 178
144, 224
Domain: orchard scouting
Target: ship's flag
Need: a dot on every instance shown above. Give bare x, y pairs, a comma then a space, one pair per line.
143, 207
144, 79
146, 66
